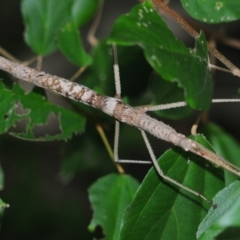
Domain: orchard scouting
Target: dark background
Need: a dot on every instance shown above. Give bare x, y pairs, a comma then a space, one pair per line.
42, 206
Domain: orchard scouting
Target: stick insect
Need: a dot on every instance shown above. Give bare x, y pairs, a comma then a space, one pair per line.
122, 112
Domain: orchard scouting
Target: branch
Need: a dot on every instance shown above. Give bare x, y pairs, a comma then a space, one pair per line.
160, 5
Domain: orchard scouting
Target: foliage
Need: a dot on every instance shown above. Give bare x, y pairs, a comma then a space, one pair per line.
155, 209
37, 110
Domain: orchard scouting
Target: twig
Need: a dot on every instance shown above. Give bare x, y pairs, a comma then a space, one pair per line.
8, 55
160, 6
78, 73
109, 150
91, 34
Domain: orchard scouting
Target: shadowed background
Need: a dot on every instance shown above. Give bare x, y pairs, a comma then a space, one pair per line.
42, 205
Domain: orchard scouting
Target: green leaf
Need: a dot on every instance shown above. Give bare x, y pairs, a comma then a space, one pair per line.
167, 55
161, 211
99, 75
109, 197
213, 11
3, 204
37, 110
70, 45
83, 10
225, 145
225, 215
42, 21
165, 92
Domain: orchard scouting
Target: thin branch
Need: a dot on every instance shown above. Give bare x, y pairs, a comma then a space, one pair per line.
109, 149
8, 55
29, 61
196, 123
39, 62
91, 34
232, 42
78, 73
160, 6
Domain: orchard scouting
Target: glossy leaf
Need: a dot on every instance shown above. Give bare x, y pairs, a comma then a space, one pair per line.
213, 11
161, 211
109, 197
225, 145
83, 10
168, 56
43, 19
70, 45
165, 92
36, 110
225, 215
3, 204
99, 75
